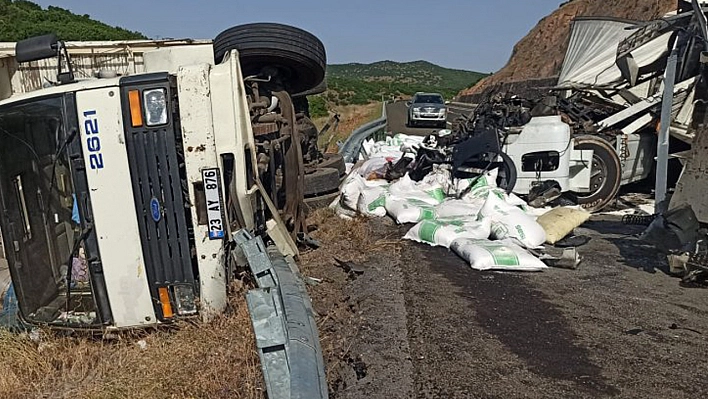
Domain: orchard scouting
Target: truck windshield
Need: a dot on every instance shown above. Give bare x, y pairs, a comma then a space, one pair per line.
40, 220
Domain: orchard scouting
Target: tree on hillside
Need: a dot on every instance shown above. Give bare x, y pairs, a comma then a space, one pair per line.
21, 19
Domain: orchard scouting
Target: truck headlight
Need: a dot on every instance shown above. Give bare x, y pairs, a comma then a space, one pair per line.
155, 106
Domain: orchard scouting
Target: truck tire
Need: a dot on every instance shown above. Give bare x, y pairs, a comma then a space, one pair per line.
605, 173
322, 201
321, 181
334, 161
298, 54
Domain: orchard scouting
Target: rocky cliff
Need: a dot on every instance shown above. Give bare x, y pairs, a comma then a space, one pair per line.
540, 54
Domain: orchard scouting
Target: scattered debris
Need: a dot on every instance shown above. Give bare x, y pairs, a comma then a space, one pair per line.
674, 230
350, 268
568, 259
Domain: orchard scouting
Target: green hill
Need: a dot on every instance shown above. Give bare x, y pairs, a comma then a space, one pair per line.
21, 19
363, 83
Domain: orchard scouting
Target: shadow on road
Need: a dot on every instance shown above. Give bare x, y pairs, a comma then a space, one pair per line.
526, 322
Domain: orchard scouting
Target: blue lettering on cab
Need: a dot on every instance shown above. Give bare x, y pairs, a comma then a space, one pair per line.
93, 140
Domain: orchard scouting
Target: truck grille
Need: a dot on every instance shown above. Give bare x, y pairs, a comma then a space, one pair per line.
160, 204
156, 163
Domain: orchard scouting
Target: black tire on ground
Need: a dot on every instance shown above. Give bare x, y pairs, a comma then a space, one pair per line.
605, 173
298, 54
321, 181
334, 161
322, 201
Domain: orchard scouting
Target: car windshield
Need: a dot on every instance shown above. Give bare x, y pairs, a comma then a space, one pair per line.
428, 99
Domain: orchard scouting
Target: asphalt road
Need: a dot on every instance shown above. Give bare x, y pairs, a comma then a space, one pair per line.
396, 114
423, 324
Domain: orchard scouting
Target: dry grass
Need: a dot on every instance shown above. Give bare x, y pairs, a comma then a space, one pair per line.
200, 360
349, 240
351, 117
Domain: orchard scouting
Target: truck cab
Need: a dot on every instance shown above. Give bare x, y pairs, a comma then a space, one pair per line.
120, 195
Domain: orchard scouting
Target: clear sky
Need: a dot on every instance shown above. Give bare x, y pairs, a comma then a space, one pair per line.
465, 34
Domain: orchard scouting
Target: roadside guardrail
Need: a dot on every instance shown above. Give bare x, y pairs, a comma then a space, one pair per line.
352, 147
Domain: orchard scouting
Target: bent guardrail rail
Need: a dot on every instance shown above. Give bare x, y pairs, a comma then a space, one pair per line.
284, 324
351, 148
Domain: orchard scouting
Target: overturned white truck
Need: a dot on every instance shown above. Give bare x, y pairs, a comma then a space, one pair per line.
122, 192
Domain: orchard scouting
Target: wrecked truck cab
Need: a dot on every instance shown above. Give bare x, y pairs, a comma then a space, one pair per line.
121, 195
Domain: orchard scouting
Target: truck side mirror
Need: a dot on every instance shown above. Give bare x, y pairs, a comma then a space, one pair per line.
36, 48
47, 46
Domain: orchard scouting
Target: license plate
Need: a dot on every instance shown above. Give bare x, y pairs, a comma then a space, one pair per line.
212, 193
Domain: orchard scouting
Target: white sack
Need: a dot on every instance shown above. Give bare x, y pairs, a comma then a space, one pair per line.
430, 193
508, 221
413, 210
477, 187
353, 187
496, 255
372, 201
409, 210
443, 232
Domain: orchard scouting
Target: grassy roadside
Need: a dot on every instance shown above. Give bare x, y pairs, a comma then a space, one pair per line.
199, 360
351, 117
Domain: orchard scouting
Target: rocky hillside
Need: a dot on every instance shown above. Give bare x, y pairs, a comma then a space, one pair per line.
540, 54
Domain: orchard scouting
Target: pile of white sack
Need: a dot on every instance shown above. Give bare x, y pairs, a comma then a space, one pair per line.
480, 222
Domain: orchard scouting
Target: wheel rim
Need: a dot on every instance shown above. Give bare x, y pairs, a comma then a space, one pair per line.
598, 175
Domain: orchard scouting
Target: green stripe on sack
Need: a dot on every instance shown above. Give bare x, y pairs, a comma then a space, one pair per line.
481, 182
377, 203
502, 255
438, 194
428, 230
428, 214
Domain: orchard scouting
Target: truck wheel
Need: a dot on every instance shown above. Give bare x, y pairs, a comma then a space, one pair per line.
605, 173
298, 54
322, 201
334, 161
321, 181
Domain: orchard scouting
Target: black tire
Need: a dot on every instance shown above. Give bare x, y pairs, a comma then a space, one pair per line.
506, 177
606, 173
321, 181
322, 201
319, 89
334, 161
298, 54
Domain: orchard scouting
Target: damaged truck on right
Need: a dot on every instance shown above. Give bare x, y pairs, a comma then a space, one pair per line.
609, 94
